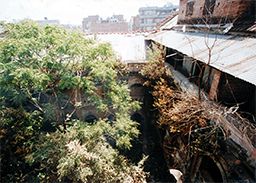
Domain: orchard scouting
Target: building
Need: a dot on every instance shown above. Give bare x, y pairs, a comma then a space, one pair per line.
170, 20
46, 21
149, 17
71, 27
108, 27
210, 47
116, 18
225, 42
86, 23
216, 11
113, 24
134, 24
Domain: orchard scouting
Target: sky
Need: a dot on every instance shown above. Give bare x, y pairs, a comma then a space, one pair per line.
72, 11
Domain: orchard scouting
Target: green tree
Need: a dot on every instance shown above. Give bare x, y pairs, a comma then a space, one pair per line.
48, 75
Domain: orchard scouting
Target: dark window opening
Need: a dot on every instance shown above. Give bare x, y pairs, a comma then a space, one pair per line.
195, 72
209, 7
111, 118
187, 66
178, 64
190, 8
90, 119
137, 117
137, 92
174, 59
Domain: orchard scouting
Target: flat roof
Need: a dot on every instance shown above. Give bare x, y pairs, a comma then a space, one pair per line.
130, 48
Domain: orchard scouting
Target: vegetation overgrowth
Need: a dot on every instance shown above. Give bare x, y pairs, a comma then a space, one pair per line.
48, 77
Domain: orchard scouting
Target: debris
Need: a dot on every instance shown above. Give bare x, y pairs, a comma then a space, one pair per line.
177, 174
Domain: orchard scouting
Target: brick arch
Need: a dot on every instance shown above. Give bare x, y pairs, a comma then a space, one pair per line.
138, 117
135, 80
137, 92
215, 166
90, 118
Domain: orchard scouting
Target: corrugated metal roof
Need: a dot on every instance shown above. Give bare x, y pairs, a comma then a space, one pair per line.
169, 21
231, 54
170, 24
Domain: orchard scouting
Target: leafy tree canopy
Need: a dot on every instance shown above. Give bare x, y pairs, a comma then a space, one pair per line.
48, 76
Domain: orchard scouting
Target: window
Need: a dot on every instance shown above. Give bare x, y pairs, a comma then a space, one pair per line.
137, 117
190, 8
111, 118
149, 21
209, 7
90, 118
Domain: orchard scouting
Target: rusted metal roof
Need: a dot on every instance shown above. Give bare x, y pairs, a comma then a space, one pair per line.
231, 54
165, 24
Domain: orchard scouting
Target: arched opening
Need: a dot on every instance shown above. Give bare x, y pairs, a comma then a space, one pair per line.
137, 91
111, 118
91, 118
210, 171
137, 117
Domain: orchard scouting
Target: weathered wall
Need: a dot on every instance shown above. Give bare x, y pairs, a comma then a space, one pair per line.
224, 10
109, 27
137, 92
213, 93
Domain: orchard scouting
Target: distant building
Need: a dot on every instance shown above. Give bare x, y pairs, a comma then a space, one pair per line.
116, 18
88, 21
48, 22
149, 17
71, 27
113, 24
134, 23
109, 27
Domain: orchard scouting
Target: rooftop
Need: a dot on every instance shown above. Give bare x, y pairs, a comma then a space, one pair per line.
234, 55
130, 48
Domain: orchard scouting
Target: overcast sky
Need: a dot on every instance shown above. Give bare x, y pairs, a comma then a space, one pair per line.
72, 11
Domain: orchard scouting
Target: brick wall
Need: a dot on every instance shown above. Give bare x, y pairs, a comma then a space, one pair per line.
224, 10
109, 27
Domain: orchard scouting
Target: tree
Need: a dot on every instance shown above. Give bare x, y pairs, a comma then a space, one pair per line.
48, 75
